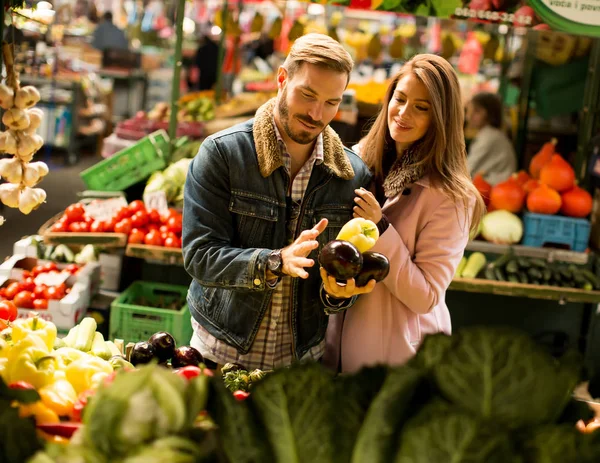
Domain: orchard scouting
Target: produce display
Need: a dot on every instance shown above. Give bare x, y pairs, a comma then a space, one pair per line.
170, 181
20, 140
141, 225
528, 270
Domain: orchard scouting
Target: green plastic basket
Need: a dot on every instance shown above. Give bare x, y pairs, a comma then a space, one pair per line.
134, 323
130, 165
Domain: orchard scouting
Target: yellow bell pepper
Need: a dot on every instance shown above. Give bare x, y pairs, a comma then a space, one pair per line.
4, 349
35, 326
30, 361
59, 396
87, 372
39, 411
3, 364
362, 233
67, 355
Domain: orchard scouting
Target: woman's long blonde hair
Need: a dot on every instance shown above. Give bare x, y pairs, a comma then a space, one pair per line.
441, 152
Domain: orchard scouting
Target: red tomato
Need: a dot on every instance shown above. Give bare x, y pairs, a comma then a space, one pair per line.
53, 292
136, 236
40, 291
109, 226
35, 271
40, 304
137, 205
164, 229
154, 216
153, 238
188, 372
97, 226
153, 226
12, 290
84, 227
72, 268
24, 299
3, 325
8, 311
123, 213
75, 212
87, 219
28, 284
3, 292
175, 224
64, 218
140, 218
60, 227
172, 242
79, 227
164, 235
26, 274
48, 267
124, 226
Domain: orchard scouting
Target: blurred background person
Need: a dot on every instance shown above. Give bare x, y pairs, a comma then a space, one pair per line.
491, 152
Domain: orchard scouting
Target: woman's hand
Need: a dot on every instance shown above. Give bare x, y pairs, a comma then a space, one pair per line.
367, 206
344, 292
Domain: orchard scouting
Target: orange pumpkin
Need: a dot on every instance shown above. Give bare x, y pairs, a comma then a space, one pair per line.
483, 187
543, 156
531, 185
576, 203
558, 174
544, 200
521, 177
508, 195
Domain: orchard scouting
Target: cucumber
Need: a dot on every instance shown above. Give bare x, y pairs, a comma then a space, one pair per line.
523, 277
475, 263
591, 277
461, 267
539, 263
500, 276
502, 260
99, 347
70, 338
523, 262
546, 274
512, 266
513, 278
490, 274
114, 350
534, 273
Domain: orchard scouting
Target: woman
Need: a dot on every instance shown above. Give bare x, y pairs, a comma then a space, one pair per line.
416, 152
490, 152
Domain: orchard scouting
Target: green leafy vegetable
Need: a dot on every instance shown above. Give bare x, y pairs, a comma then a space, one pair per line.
501, 374
294, 405
432, 350
386, 413
456, 438
549, 444
445, 8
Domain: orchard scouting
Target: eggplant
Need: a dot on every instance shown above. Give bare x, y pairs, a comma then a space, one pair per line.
164, 345
186, 355
341, 259
375, 267
141, 353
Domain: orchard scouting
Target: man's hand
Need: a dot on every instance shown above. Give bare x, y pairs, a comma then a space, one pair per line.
294, 256
344, 292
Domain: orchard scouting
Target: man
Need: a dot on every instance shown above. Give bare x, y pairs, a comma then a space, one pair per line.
257, 297
107, 35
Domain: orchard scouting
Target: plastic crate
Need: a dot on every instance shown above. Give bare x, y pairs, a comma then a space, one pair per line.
134, 323
541, 230
129, 166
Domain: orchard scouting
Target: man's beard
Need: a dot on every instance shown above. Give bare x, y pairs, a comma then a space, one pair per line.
301, 137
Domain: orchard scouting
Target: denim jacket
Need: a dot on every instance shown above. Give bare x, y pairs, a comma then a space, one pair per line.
235, 214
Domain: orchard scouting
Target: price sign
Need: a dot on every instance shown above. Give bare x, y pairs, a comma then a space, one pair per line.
157, 200
52, 279
105, 209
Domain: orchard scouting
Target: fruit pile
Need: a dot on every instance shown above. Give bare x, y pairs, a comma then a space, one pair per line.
141, 225
348, 256
29, 294
21, 140
195, 109
548, 188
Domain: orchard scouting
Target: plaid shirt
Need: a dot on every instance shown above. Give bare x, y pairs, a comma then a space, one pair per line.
272, 347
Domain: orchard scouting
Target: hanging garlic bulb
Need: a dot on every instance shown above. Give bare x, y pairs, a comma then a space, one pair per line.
26, 97
31, 199
6, 97
2, 220
16, 119
10, 194
8, 142
35, 118
27, 145
12, 170
33, 173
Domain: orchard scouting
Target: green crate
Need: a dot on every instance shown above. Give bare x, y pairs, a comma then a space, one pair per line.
130, 165
134, 323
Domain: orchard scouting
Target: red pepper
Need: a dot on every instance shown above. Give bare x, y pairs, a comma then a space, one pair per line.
21, 386
241, 395
64, 429
192, 371
80, 404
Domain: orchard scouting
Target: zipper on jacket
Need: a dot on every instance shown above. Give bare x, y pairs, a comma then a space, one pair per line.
293, 285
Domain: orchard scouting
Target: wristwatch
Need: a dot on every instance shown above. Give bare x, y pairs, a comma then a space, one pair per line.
275, 263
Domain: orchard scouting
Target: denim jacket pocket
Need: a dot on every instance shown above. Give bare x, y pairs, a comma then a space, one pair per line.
336, 215
254, 218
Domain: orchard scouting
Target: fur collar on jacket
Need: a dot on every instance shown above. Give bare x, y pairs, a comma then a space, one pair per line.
269, 158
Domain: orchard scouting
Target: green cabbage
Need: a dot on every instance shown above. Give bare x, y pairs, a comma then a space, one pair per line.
501, 227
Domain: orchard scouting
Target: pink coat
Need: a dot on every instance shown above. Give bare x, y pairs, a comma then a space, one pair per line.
424, 244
